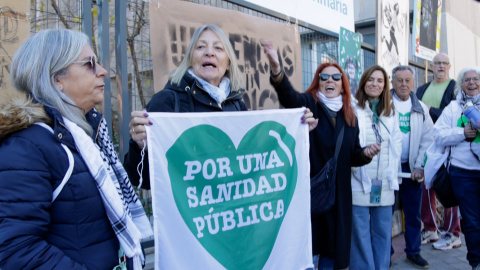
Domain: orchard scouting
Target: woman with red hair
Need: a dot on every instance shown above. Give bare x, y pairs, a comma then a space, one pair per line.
328, 98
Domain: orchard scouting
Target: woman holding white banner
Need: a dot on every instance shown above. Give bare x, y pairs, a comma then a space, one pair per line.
328, 97
208, 80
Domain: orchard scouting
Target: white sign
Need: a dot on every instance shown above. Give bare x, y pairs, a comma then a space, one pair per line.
326, 14
231, 190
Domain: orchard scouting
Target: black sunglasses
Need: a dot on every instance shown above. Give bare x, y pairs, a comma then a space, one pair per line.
90, 62
335, 77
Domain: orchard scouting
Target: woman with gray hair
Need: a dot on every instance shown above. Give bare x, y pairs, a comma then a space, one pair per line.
65, 199
457, 131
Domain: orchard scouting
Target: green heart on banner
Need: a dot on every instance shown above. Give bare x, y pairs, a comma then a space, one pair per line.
234, 200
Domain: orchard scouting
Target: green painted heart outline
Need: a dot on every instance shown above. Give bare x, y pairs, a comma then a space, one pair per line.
226, 233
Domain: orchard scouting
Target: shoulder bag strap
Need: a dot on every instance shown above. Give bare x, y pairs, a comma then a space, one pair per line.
339, 142
449, 158
70, 164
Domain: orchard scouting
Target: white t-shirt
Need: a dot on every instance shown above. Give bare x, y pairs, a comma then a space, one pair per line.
404, 109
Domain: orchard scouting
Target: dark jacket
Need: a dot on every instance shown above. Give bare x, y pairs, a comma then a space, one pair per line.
448, 96
73, 232
331, 232
186, 97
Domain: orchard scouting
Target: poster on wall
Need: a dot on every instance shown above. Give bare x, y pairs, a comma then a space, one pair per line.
172, 23
427, 21
350, 51
231, 190
392, 34
14, 26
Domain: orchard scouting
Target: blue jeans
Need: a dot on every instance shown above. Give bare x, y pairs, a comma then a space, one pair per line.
323, 263
411, 197
466, 187
371, 237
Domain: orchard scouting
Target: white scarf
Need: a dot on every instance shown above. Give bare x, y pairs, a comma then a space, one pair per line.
122, 206
334, 104
219, 93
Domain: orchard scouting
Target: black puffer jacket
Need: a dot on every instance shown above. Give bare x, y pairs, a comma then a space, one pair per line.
186, 97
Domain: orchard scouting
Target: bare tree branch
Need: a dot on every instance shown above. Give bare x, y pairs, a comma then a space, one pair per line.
138, 23
60, 15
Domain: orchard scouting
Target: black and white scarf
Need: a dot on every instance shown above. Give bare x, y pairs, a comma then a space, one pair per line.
463, 98
122, 205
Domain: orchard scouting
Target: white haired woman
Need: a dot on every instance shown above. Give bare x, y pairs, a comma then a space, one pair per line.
459, 131
65, 199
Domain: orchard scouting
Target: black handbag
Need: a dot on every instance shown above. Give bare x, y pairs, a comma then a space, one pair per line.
442, 186
322, 185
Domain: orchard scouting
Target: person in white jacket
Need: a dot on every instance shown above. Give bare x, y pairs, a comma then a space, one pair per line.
417, 128
455, 128
373, 185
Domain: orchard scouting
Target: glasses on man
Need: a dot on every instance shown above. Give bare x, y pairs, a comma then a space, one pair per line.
336, 77
91, 63
474, 79
438, 63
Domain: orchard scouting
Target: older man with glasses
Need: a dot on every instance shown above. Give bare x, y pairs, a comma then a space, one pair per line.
417, 128
437, 94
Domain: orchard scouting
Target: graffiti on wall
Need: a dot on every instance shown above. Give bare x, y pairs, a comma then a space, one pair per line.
169, 45
12, 32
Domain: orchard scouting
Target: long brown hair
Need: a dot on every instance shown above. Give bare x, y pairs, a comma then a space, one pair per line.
385, 103
346, 99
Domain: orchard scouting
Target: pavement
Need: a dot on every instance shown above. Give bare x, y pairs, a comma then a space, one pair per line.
454, 259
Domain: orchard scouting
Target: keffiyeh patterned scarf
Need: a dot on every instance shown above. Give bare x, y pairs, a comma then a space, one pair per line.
122, 205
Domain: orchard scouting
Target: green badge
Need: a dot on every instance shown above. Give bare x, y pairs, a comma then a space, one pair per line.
234, 200
404, 120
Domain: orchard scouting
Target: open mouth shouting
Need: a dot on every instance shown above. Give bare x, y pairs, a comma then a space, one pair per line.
330, 89
209, 65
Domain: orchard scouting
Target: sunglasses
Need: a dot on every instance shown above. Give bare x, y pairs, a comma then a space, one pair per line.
90, 62
336, 77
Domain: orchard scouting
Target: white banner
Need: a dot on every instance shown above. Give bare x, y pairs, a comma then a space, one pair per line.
327, 14
231, 190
